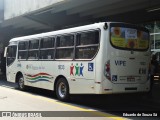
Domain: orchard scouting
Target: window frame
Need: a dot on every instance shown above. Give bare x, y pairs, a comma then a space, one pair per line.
66, 47
43, 49
30, 50
23, 50
55, 48
89, 45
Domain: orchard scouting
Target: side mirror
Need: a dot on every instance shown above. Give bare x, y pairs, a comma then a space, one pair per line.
5, 52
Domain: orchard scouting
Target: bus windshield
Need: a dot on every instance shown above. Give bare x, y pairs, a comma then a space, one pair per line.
129, 37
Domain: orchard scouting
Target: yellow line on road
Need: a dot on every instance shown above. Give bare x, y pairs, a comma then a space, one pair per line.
98, 113
83, 109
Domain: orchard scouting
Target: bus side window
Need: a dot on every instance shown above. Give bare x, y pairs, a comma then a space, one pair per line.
65, 47
22, 50
47, 48
87, 44
33, 52
88, 38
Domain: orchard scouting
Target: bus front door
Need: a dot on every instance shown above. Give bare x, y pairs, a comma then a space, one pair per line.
11, 65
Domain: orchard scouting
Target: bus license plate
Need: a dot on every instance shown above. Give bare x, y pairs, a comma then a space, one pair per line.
130, 79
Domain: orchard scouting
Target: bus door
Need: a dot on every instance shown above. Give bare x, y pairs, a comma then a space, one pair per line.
11, 65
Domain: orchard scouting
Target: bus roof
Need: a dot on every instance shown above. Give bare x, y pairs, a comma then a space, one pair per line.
58, 32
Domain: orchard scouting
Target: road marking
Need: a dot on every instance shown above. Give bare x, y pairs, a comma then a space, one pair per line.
83, 109
98, 113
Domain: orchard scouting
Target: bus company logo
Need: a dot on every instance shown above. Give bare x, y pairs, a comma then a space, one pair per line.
78, 69
61, 67
120, 63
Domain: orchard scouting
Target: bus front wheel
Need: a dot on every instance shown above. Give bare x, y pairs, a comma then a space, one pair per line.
21, 85
62, 89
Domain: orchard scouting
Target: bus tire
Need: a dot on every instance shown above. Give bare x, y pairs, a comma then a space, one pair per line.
62, 89
20, 81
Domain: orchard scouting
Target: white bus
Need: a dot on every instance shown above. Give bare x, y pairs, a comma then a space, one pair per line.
101, 58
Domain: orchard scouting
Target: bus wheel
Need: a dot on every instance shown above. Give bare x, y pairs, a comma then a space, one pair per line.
62, 89
21, 85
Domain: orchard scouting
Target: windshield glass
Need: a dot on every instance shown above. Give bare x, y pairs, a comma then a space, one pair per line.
11, 54
129, 37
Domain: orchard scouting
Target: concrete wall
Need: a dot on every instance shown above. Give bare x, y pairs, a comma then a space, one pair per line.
13, 8
1, 4
1, 10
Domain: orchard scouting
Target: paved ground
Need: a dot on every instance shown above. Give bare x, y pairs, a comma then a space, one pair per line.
108, 106
28, 103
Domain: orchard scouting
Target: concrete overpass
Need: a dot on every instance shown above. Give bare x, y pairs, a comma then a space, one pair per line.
23, 17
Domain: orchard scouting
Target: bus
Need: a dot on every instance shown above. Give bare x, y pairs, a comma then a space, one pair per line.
100, 58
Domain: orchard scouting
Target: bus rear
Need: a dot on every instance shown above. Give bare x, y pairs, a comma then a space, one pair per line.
127, 60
